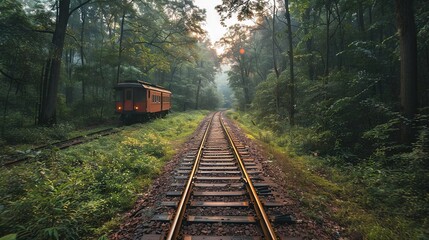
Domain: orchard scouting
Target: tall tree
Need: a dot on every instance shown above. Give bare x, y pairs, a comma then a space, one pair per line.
48, 109
291, 66
49, 100
120, 50
83, 13
236, 52
408, 52
328, 36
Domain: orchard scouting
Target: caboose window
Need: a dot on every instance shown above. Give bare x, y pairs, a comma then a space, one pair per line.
128, 94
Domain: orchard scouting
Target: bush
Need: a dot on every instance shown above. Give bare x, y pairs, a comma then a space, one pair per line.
59, 131
72, 193
386, 179
38, 135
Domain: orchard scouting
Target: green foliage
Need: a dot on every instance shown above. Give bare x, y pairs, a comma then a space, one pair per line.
388, 188
21, 51
9, 237
210, 99
266, 105
38, 134
348, 110
71, 194
159, 45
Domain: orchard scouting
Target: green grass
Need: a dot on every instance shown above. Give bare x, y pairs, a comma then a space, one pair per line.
24, 138
78, 193
347, 195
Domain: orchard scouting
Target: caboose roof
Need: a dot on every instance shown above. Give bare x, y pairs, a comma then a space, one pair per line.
153, 87
143, 84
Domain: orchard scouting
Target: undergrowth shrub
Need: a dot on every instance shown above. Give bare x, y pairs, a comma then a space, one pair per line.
38, 134
385, 178
15, 120
59, 131
154, 145
265, 136
22, 135
71, 194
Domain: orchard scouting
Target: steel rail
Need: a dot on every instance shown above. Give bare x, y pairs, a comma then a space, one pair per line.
264, 221
63, 144
181, 208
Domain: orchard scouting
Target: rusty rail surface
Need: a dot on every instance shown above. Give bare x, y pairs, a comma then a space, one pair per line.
15, 159
181, 208
264, 221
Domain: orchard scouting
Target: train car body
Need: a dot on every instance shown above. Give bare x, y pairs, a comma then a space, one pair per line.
141, 100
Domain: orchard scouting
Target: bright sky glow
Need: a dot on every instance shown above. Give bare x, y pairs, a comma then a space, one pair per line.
212, 26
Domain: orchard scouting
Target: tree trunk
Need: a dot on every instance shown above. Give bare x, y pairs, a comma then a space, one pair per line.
328, 22
82, 35
276, 70
425, 84
120, 47
371, 31
341, 35
197, 99
172, 73
291, 70
408, 53
82, 56
48, 110
309, 43
244, 83
360, 19
69, 69
6, 104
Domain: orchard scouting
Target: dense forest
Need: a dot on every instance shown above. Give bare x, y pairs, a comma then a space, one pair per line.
61, 59
343, 81
347, 82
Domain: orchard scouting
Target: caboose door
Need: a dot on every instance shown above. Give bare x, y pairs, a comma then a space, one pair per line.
128, 100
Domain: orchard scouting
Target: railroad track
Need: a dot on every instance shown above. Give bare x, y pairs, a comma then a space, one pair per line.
15, 159
218, 192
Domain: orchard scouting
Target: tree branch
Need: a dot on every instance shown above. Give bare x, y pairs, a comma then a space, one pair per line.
52, 32
43, 31
8, 76
79, 6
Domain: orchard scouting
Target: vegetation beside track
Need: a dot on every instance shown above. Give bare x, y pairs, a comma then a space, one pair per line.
24, 138
363, 197
78, 193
